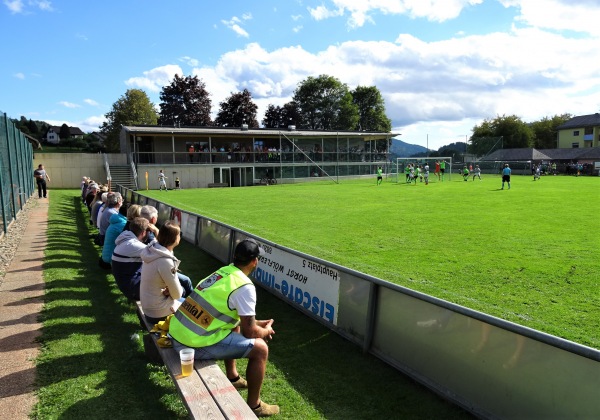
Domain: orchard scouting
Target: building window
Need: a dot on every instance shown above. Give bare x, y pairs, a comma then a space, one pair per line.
576, 133
575, 145
588, 130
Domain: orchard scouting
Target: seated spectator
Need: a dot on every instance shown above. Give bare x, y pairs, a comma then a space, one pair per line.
90, 196
103, 198
133, 211
114, 201
97, 205
116, 226
126, 260
151, 214
160, 285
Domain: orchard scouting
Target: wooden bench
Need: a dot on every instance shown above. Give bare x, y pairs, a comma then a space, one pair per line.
206, 393
218, 185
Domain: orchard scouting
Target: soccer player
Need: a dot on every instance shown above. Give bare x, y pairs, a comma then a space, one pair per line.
442, 168
379, 175
407, 172
537, 172
162, 181
426, 174
477, 172
465, 173
506, 175
437, 169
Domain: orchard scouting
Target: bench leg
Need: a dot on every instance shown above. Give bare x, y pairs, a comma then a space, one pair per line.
151, 351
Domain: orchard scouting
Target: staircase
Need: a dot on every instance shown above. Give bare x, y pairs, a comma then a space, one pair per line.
122, 175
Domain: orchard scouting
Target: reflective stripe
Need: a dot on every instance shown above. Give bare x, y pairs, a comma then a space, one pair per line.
193, 327
214, 312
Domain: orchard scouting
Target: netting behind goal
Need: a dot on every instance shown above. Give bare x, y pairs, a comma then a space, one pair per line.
401, 163
518, 167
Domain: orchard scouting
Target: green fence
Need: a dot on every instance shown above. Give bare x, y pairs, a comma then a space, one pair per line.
16, 171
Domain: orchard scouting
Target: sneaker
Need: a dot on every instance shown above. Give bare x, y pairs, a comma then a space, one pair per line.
239, 383
265, 410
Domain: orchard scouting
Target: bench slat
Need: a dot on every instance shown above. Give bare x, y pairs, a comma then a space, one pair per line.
224, 393
206, 393
195, 395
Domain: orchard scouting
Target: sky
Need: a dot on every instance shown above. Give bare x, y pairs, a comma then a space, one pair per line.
442, 66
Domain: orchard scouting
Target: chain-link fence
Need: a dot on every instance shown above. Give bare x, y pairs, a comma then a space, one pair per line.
16, 172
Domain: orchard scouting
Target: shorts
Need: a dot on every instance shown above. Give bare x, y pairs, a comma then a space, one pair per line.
442, 170
234, 346
505, 178
379, 177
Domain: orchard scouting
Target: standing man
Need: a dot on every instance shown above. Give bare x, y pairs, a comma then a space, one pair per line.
426, 169
379, 176
191, 151
41, 177
506, 175
437, 169
218, 321
442, 168
477, 173
162, 181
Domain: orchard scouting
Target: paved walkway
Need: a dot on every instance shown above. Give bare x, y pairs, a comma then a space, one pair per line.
21, 297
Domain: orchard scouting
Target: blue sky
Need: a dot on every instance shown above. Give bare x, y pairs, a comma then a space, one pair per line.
442, 66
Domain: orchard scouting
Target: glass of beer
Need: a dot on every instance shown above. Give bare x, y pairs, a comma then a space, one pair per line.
187, 361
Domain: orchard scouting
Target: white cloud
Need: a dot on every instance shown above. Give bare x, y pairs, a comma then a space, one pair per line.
153, 80
15, 6
43, 5
189, 61
91, 102
19, 6
297, 29
296, 18
579, 16
455, 83
361, 11
87, 125
81, 36
69, 104
234, 25
20, 76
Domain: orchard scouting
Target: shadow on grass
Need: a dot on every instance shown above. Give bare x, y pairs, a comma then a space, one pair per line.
90, 367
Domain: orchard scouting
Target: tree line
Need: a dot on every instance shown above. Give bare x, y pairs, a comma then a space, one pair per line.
318, 103
511, 132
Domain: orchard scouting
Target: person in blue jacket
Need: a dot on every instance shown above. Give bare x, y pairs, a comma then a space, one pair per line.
116, 225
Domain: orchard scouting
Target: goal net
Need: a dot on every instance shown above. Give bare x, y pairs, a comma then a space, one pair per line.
400, 169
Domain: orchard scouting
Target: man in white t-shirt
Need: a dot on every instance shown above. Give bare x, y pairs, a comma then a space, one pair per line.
218, 321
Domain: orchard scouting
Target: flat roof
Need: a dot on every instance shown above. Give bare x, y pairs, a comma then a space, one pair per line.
252, 132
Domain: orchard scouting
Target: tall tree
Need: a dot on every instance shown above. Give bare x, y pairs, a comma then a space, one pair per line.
371, 109
325, 103
65, 132
236, 110
514, 134
545, 131
33, 128
134, 107
272, 117
281, 116
185, 102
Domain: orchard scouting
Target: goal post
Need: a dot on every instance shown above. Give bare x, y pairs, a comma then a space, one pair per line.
401, 164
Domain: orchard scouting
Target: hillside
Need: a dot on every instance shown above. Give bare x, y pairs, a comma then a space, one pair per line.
402, 149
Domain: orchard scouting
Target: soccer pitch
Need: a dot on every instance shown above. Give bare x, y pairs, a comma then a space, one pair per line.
528, 255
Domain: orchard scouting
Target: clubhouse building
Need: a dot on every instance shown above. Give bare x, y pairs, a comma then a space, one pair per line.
207, 156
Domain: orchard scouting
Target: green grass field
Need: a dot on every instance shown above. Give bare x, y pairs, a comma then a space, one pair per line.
527, 255
92, 364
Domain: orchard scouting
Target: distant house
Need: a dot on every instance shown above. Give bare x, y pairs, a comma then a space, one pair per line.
579, 132
53, 134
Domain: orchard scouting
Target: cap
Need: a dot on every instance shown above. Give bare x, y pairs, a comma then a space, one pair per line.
247, 250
